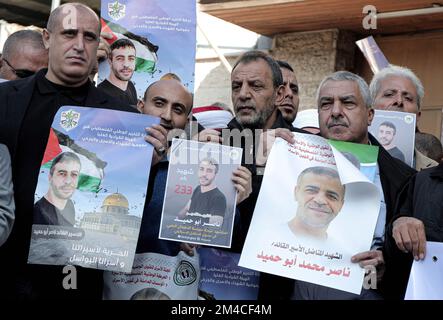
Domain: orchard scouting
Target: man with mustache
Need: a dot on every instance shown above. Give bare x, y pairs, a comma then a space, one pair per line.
26, 113
345, 112
320, 197
399, 89
56, 207
386, 135
289, 105
256, 90
122, 63
207, 200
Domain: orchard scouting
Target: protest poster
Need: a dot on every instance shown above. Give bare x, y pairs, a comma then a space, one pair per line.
200, 197
373, 54
90, 194
395, 130
222, 279
155, 276
426, 277
164, 35
324, 211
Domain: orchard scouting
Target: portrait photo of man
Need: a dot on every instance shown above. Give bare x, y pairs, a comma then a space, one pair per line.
320, 197
56, 206
118, 84
208, 203
386, 136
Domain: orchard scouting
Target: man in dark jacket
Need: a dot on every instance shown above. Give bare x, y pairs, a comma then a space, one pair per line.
257, 87
28, 108
420, 220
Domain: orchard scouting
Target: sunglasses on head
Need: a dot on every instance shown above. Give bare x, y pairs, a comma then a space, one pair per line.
21, 73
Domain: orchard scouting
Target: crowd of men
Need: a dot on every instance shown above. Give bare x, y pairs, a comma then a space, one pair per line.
52, 69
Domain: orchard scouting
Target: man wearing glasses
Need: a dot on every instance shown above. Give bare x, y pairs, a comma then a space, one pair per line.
23, 55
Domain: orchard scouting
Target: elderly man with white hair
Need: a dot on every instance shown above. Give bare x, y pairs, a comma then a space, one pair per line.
345, 112
397, 88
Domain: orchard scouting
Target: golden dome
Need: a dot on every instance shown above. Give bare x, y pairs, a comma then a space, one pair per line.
116, 200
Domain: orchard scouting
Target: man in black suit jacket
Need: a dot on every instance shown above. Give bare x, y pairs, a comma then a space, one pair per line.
27, 110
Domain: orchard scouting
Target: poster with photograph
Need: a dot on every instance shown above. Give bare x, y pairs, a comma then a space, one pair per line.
90, 194
200, 198
395, 131
163, 38
222, 278
155, 276
324, 211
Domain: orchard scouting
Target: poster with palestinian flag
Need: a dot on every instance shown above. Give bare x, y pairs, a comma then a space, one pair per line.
163, 33
91, 189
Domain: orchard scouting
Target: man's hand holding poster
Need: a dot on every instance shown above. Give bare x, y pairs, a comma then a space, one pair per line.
90, 193
314, 212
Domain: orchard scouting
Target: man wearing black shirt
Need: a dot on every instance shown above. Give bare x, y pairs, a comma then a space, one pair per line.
27, 111
56, 207
122, 62
208, 203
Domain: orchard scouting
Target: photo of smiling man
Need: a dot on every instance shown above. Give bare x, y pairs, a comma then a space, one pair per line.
56, 206
122, 58
320, 197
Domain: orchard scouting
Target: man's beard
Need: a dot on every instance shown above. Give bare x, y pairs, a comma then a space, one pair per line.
258, 120
123, 78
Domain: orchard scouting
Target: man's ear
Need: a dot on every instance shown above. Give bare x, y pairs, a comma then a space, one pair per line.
295, 193
140, 105
46, 35
279, 95
370, 116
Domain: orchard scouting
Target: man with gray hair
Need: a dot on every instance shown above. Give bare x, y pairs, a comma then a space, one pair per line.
256, 91
27, 111
397, 88
23, 55
345, 112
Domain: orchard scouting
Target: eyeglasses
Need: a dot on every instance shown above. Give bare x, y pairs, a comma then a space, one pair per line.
21, 73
